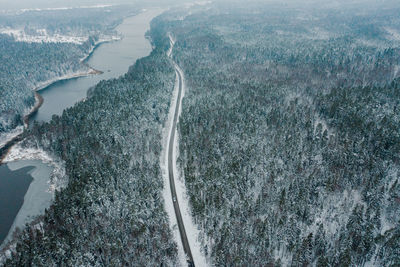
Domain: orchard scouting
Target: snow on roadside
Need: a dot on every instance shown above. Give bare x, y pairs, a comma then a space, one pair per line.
183, 198
169, 206
192, 230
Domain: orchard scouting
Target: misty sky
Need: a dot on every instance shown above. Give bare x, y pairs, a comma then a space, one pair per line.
20, 4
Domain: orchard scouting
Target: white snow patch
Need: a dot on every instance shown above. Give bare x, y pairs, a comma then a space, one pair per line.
335, 212
8, 136
61, 8
198, 3
318, 33
58, 178
393, 34
374, 260
41, 35
324, 125
283, 255
396, 71
43, 85
388, 219
48, 176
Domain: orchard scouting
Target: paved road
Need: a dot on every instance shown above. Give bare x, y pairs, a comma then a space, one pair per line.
170, 155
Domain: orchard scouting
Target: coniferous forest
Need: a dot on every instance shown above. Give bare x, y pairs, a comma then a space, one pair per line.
33, 56
111, 213
289, 143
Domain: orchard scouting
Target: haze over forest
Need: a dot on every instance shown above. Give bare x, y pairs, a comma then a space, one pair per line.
249, 133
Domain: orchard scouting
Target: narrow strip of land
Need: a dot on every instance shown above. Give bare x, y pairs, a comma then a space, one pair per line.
6, 148
171, 158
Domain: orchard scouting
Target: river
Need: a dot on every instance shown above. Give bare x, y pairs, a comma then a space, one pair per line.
25, 183
112, 58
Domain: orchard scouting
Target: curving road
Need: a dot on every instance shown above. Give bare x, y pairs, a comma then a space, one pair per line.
170, 158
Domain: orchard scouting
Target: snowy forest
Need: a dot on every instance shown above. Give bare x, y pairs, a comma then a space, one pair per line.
111, 212
41, 46
289, 144
290, 133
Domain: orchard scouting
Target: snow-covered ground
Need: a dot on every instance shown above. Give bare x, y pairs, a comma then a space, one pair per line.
71, 75
192, 230
48, 176
24, 10
41, 35
8, 136
63, 8
392, 34
57, 178
102, 39
68, 76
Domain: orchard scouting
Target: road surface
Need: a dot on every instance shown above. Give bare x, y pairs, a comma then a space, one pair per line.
171, 158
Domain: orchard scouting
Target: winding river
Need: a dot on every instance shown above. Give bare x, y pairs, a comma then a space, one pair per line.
25, 183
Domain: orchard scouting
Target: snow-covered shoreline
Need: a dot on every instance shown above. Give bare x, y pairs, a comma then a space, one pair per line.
97, 44
48, 176
8, 136
57, 180
74, 75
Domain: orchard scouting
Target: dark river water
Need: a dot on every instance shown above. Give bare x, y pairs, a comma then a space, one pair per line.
24, 186
13, 186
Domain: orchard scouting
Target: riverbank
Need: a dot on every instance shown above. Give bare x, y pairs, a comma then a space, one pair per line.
14, 136
48, 176
98, 43
75, 75
38, 103
18, 137
115, 58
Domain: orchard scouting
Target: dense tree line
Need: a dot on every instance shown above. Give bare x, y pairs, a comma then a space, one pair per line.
290, 134
26, 65
111, 213
68, 21
289, 145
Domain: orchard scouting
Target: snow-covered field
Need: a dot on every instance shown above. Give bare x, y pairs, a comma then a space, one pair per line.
57, 179
63, 8
24, 10
41, 35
